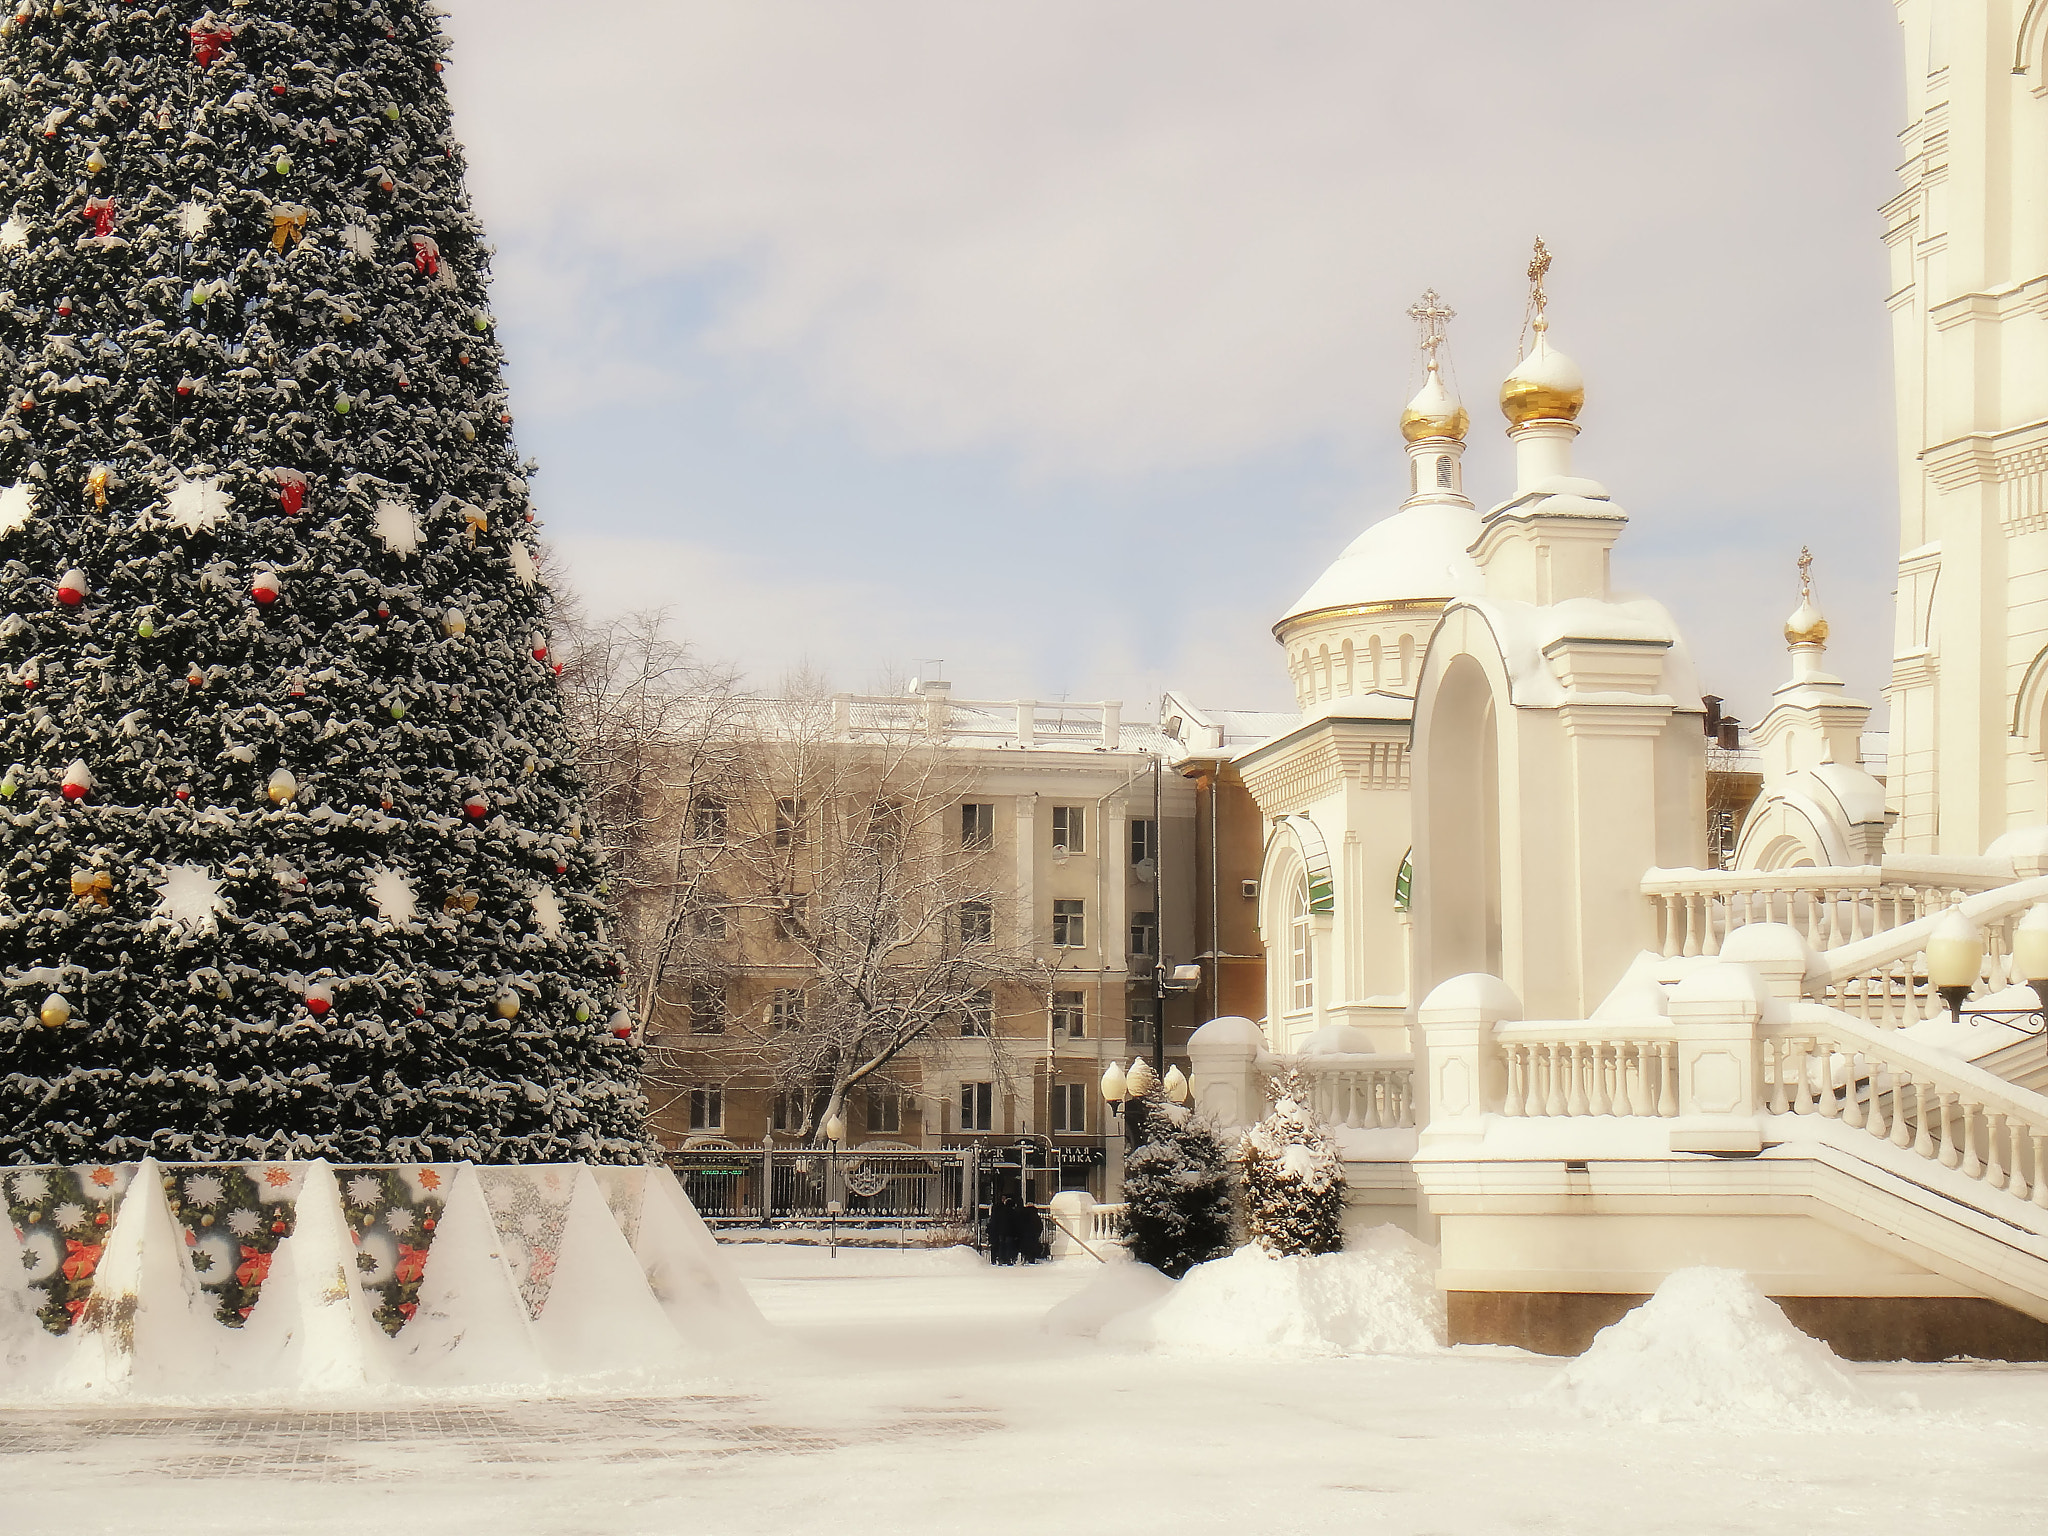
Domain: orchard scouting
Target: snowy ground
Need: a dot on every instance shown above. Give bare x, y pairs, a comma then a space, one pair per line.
914, 1391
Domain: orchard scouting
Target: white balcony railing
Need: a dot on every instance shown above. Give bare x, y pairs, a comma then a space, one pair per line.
1696, 909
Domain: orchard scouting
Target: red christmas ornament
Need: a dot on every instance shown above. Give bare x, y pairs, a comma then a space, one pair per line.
77, 781
561, 869
426, 256
558, 669
72, 588
28, 403
291, 491
99, 213
623, 1032
540, 649
31, 675
207, 43
265, 588
383, 611
477, 806
420, 1013
64, 308
196, 678
277, 90
184, 793
319, 999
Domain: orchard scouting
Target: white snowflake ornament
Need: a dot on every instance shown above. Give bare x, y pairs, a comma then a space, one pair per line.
523, 566
13, 234
17, 506
196, 506
189, 899
194, 218
393, 895
547, 912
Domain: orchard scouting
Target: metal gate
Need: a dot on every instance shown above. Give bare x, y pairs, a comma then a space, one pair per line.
768, 1186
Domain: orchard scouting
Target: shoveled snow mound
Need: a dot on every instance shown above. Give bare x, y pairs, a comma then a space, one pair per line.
1377, 1298
1115, 1290
1709, 1346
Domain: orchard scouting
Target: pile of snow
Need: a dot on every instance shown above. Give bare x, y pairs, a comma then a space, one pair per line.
1708, 1347
1376, 1298
1117, 1288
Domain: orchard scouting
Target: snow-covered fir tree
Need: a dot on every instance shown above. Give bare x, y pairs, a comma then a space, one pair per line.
291, 832
1176, 1184
1293, 1178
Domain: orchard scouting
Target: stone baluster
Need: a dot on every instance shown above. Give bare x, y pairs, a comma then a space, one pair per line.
1598, 1102
1923, 1143
1973, 1165
1902, 1127
1876, 1123
1994, 1150
1775, 1052
1951, 1132
1512, 1104
1802, 1092
1539, 1082
1852, 1101
1667, 1080
1644, 1100
1830, 1106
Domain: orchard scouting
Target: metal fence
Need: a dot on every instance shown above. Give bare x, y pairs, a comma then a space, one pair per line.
767, 1186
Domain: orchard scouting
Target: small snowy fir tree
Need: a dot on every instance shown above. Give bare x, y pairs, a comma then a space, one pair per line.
291, 833
1176, 1186
1293, 1180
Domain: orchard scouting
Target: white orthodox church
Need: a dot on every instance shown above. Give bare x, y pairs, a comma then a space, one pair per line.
1550, 1037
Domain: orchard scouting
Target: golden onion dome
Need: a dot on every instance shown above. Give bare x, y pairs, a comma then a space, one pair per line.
1434, 412
1806, 626
1545, 386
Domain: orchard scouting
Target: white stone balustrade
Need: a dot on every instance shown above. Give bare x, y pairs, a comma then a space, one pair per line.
1364, 1093
1696, 910
1882, 980
1945, 1111
1359, 1091
1550, 1074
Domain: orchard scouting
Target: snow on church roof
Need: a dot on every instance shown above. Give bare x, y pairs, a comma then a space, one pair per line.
1420, 554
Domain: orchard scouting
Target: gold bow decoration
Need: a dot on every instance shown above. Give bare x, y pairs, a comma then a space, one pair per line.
98, 481
459, 901
477, 522
288, 223
92, 887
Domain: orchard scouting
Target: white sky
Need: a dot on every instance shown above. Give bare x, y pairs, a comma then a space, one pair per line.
1065, 341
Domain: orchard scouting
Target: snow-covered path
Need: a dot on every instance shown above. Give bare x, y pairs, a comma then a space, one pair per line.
915, 1392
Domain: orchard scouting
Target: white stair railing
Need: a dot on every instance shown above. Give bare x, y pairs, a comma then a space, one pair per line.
1361, 1093
1882, 980
1554, 1070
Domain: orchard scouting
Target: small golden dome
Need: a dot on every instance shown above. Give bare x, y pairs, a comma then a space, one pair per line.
1545, 386
1434, 412
1806, 626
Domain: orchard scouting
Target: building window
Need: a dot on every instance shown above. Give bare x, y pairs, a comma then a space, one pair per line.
1069, 924
786, 1113
789, 823
1145, 841
1138, 1031
790, 912
786, 1009
1301, 968
1067, 833
708, 821
977, 826
707, 1009
1443, 472
885, 1114
1070, 1107
977, 922
977, 1106
1070, 1014
977, 1013
711, 920
885, 825
1145, 935
707, 1109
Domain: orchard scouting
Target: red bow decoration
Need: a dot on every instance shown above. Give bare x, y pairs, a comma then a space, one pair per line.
99, 213
291, 491
207, 43
412, 1263
426, 256
254, 1268
84, 1259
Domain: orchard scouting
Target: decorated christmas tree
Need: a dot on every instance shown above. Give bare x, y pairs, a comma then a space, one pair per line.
1293, 1179
1176, 1183
290, 825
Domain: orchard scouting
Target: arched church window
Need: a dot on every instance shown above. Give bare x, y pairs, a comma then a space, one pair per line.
1372, 652
1407, 660
1443, 472
1301, 950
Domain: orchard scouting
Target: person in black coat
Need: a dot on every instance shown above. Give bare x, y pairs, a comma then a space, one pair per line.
1004, 1230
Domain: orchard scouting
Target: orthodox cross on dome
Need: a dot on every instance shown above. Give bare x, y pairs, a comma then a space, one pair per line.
1432, 317
1805, 573
1539, 268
